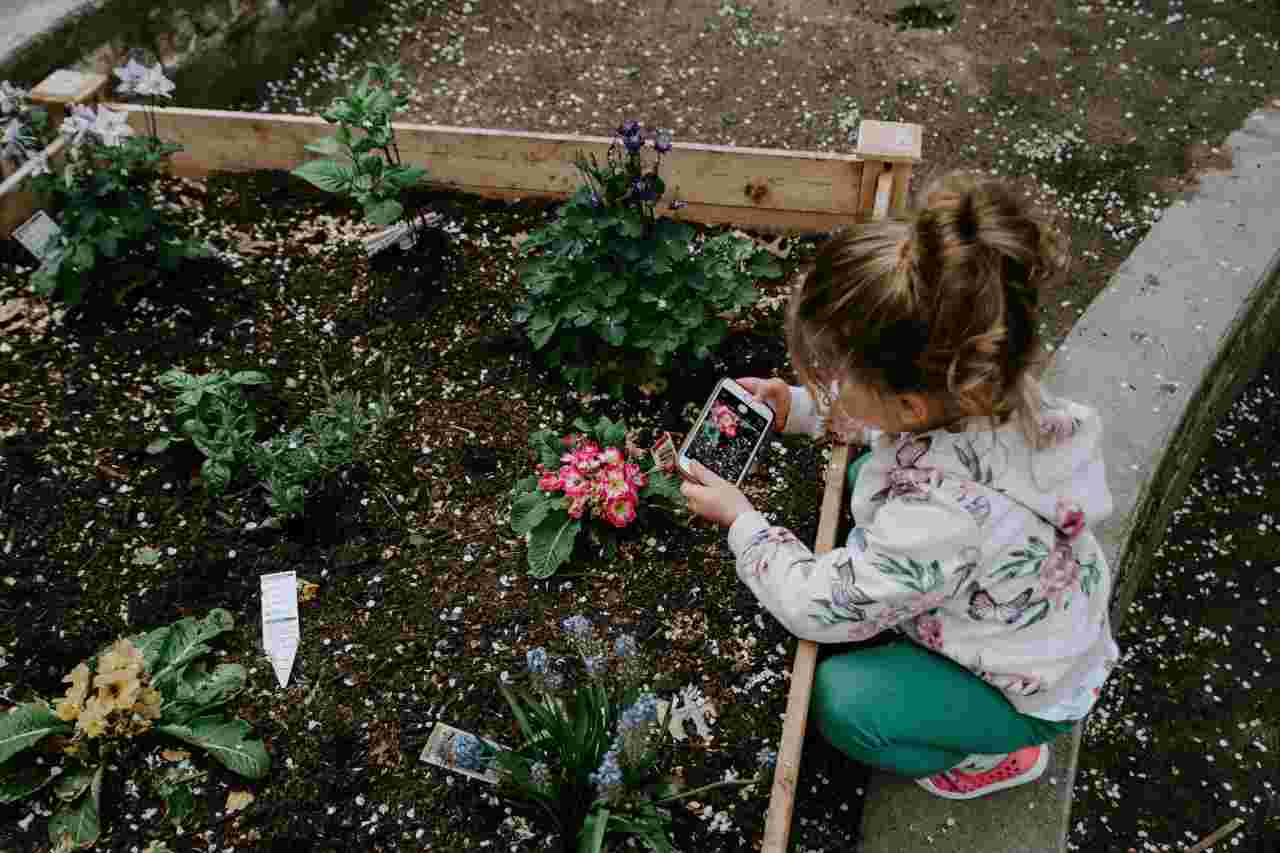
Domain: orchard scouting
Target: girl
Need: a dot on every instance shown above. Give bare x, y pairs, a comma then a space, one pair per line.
972, 506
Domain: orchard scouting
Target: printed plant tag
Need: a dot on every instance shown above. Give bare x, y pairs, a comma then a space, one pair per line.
440, 752
37, 233
280, 629
400, 234
664, 453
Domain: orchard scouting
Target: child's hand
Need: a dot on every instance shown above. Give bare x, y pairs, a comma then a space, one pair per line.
713, 497
774, 392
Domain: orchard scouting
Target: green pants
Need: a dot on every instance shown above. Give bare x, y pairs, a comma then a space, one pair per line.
903, 709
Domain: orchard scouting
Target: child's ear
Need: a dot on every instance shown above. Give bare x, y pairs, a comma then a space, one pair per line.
914, 409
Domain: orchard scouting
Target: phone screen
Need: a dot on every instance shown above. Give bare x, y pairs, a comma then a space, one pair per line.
727, 435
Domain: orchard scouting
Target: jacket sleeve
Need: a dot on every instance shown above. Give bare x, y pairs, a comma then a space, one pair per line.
913, 556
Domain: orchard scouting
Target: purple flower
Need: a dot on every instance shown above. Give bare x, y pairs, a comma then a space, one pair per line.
662, 141
596, 201
608, 775
578, 627
676, 204
641, 713
643, 188
594, 664
630, 127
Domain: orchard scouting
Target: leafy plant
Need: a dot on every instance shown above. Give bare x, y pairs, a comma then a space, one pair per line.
583, 478
615, 292
21, 126
593, 756
362, 158
103, 198
221, 423
140, 689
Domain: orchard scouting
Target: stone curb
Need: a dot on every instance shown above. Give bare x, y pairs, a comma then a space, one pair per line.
1161, 353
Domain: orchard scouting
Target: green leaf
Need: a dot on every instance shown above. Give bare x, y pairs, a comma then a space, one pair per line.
528, 511
26, 726
226, 741
593, 829
551, 543
73, 783
384, 212
179, 803
250, 377
328, 175
78, 825
329, 146
186, 641
662, 485
199, 691
159, 445
16, 783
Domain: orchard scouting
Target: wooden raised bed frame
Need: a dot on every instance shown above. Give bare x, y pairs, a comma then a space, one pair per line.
763, 189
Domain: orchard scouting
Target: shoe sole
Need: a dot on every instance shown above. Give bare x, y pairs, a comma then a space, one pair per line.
1036, 771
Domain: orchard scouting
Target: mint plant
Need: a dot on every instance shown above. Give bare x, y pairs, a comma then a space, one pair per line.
362, 158
614, 292
595, 753
103, 198
123, 704
216, 418
585, 481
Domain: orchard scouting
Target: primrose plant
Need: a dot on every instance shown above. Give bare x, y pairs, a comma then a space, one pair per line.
590, 479
104, 197
362, 159
615, 292
595, 749
122, 705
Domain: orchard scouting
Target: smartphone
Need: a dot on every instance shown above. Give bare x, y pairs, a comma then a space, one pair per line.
728, 433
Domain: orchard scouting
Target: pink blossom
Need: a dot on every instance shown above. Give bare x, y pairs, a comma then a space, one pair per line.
550, 482
614, 482
1070, 518
611, 456
726, 421
1059, 573
620, 511
929, 629
573, 483
636, 477
578, 505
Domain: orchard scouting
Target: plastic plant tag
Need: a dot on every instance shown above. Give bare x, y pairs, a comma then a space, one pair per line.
440, 751
39, 235
400, 234
664, 453
695, 712
280, 629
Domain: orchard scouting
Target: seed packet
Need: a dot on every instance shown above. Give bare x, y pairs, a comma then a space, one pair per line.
442, 751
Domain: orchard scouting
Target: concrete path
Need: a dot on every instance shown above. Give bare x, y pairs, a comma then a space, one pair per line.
23, 22
1161, 353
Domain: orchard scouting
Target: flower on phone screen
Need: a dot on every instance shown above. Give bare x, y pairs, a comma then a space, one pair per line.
724, 420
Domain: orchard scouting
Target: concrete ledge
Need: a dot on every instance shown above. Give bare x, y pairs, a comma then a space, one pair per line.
1161, 353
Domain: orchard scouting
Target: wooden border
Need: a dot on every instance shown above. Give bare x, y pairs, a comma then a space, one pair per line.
888, 191
765, 189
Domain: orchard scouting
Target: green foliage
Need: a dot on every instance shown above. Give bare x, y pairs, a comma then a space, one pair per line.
362, 158
103, 200
172, 685
603, 491
213, 413
614, 292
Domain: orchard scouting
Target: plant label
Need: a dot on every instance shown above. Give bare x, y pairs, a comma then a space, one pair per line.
440, 752
280, 630
400, 234
694, 712
39, 235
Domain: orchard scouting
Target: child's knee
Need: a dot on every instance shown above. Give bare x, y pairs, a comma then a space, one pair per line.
842, 711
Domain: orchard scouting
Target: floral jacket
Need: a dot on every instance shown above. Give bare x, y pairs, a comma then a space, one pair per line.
971, 542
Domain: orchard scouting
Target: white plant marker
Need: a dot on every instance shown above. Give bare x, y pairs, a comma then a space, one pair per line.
37, 233
694, 711
280, 629
440, 752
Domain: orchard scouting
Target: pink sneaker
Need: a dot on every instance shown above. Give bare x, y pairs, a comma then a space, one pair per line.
1017, 768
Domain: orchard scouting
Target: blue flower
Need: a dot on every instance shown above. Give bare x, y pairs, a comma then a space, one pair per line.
468, 753
537, 660
642, 712
632, 138
596, 201
676, 204
624, 646
578, 627
662, 141
630, 127
644, 188
766, 758
539, 773
594, 664
608, 776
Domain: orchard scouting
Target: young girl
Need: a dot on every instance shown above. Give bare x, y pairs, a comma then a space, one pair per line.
972, 507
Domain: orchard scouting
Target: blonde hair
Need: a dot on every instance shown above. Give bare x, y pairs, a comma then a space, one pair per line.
943, 303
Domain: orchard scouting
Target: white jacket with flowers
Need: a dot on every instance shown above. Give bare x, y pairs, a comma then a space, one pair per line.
974, 544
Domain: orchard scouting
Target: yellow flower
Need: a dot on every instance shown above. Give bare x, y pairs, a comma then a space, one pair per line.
67, 710
122, 655
93, 719
118, 688
148, 704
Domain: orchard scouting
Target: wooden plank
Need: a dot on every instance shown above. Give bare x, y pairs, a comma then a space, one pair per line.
901, 188
890, 140
786, 775
17, 203
871, 172
711, 175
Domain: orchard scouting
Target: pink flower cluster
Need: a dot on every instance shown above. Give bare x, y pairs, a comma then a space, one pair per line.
599, 479
725, 420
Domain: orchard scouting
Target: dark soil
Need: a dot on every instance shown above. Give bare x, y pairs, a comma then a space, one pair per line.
423, 598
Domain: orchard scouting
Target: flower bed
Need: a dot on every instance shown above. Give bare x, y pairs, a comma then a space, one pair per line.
416, 596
